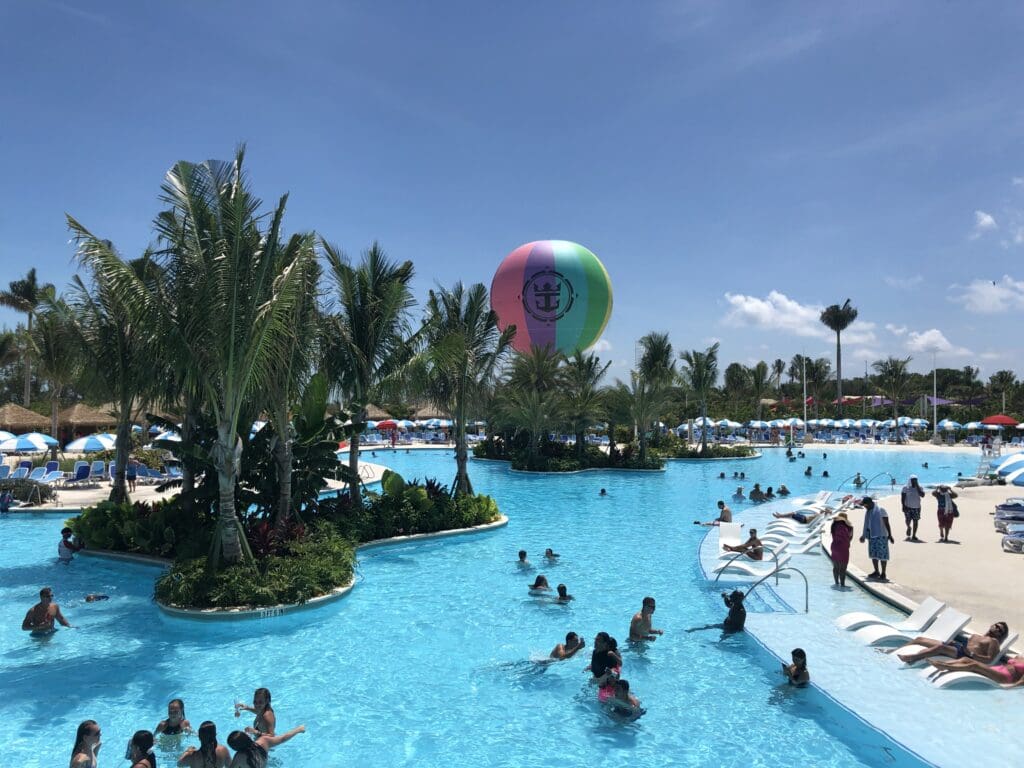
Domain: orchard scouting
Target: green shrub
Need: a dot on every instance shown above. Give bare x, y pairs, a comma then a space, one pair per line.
25, 490
160, 528
319, 562
713, 452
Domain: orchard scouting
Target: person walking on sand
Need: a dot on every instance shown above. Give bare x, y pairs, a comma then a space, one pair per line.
878, 534
946, 511
910, 497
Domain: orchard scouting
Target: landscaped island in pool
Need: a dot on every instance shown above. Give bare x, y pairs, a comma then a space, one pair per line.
431, 661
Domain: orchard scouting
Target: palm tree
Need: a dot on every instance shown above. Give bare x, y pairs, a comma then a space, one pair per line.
369, 337
656, 363
537, 369
838, 318
114, 337
778, 370
1001, 383
700, 370
57, 350
646, 399
582, 399
246, 282
736, 381
893, 378
26, 295
530, 409
464, 349
759, 383
795, 372
818, 371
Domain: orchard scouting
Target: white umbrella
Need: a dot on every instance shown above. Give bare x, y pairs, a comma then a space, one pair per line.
972, 425
865, 423
755, 424
918, 423
729, 424
703, 421
8, 435
90, 443
846, 423
949, 425
1010, 463
30, 442
827, 423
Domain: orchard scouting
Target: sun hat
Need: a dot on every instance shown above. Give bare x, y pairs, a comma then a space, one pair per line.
842, 516
913, 477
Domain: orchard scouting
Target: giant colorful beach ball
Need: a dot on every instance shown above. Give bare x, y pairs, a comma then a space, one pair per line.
555, 292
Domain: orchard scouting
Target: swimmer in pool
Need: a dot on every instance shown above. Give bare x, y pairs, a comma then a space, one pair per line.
858, 481
573, 644
808, 472
41, 616
540, 585
640, 627
623, 702
175, 722
550, 555
96, 598
796, 673
603, 492
523, 563
737, 617
266, 721
563, 594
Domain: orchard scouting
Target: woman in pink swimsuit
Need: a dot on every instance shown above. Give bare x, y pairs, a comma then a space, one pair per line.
1010, 674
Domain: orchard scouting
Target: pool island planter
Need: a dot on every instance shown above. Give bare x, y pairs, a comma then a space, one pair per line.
272, 611
755, 455
554, 472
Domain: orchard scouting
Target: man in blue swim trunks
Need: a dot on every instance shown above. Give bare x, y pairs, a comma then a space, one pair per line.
41, 616
878, 534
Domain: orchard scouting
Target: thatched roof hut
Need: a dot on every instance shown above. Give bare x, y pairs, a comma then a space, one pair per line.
14, 418
86, 417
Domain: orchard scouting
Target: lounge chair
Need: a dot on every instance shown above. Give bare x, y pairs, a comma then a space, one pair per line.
19, 474
37, 474
80, 478
753, 568
5, 471
52, 466
26, 464
770, 545
945, 627
916, 622
97, 470
729, 533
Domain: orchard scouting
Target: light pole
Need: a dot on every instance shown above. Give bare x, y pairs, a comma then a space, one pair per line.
935, 403
803, 377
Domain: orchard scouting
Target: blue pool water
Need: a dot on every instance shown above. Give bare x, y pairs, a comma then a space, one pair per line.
428, 661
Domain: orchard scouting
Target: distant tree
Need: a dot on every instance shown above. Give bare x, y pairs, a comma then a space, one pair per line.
656, 363
582, 398
1001, 384
700, 371
778, 370
795, 372
892, 378
838, 318
818, 371
737, 383
26, 295
57, 351
760, 380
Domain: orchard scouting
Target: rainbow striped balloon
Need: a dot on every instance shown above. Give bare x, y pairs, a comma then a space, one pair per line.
557, 294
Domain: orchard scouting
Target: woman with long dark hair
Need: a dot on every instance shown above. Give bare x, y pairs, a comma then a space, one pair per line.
266, 720
175, 723
87, 744
140, 750
210, 754
252, 753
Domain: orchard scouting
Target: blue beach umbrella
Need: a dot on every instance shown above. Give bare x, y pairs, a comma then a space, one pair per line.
846, 423
918, 423
727, 424
948, 425
755, 424
865, 423
828, 423
703, 421
1008, 464
30, 442
6, 435
168, 437
91, 443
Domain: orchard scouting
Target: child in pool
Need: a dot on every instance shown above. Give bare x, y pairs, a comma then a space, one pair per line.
540, 585
175, 722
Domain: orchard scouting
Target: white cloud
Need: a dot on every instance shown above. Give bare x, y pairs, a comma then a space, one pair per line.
778, 312
896, 330
989, 297
983, 222
601, 345
933, 340
1018, 181
899, 281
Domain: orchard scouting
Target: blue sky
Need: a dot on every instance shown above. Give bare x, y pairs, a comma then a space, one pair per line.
735, 165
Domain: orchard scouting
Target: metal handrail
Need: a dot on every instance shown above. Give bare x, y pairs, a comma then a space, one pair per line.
807, 586
867, 485
775, 557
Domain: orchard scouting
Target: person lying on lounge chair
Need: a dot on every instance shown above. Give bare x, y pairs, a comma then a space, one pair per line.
752, 547
1008, 675
800, 515
981, 648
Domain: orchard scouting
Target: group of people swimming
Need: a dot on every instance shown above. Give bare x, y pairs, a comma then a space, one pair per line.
251, 744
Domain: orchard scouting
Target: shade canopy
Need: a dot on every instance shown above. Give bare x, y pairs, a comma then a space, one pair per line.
30, 442
1010, 463
91, 443
1000, 419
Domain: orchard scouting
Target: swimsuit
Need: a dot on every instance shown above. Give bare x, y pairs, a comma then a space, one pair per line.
1012, 670
172, 730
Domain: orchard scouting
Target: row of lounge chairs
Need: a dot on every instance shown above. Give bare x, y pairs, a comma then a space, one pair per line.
82, 475
931, 619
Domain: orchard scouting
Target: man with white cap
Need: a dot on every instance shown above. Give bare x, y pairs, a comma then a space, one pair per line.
911, 497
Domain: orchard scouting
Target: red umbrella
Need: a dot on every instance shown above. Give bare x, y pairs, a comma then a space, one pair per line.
1001, 419
390, 424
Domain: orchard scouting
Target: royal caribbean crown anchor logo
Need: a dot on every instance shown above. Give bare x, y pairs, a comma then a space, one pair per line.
548, 295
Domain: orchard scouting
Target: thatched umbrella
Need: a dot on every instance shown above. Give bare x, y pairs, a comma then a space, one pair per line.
81, 416
17, 419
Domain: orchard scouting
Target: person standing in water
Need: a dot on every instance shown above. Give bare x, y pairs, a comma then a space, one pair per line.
41, 616
640, 627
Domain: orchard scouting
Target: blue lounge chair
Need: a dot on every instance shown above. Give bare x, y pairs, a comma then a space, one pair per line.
97, 470
81, 477
19, 474
52, 466
74, 470
37, 474
5, 471
26, 464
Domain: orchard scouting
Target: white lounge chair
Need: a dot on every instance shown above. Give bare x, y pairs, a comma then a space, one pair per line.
753, 568
916, 622
729, 533
773, 545
945, 627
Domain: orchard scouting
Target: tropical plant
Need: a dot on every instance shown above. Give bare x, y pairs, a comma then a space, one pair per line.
538, 369
114, 337
795, 372
464, 349
656, 362
778, 370
838, 317
737, 382
818, 371
700, 371
760, 381
248, 282
368, 339
55, 347
582, 398
893, 377
646, 398
26, 295
1003, 383
533, 410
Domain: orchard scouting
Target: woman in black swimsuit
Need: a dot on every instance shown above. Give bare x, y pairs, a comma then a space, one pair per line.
140, 750
175, 722
252, 753
266, 720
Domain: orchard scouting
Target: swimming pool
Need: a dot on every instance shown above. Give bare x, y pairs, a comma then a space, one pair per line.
428, 661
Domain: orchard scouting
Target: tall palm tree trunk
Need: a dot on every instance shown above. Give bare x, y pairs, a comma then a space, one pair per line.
355, 491
188, 477
283, 463
28, 370
54, 403
119, 492
580, 435
704, 427
228, 534
839, 376
463, 486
